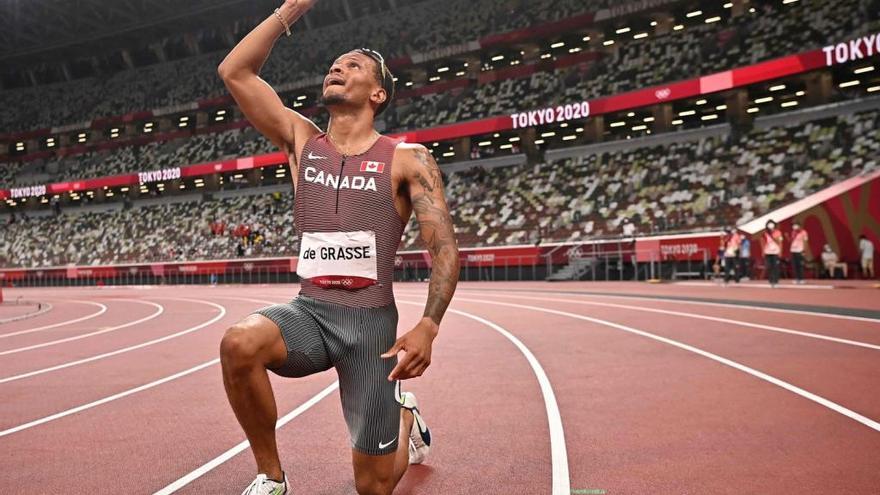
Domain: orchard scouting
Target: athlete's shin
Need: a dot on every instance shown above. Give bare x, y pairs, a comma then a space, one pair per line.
250, 395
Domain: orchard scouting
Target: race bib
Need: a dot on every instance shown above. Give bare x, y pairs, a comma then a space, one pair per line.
340, 260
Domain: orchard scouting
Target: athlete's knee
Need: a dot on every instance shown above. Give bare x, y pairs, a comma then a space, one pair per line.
238, 348
252, 341
374, 484
247, 344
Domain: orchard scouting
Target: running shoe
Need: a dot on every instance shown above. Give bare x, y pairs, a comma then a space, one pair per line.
419, 435
265, 486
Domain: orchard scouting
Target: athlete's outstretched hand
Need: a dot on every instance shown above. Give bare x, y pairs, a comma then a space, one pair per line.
417, 345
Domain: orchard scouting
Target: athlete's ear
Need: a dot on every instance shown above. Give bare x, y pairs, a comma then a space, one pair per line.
379, 96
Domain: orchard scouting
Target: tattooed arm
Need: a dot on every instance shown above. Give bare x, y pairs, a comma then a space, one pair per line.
425, 187
436, 231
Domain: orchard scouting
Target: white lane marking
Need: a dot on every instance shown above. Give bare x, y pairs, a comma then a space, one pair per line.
90, 334
105, 400
770, 328
559, 457
558, 454
124, 393
704, 303
62, 323
754, 286
229, 454
47, 306
870, 423
125, 349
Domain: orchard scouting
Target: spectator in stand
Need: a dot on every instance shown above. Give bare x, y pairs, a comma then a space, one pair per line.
799, 239
866, 250
629, 228
745, 257
772, 248
732, 241
475, 152
832, 262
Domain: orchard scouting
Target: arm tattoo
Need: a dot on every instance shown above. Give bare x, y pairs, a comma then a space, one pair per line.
430, 168
438, 234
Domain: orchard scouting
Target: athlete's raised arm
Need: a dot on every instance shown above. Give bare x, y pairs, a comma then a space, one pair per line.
425, 187
257, 100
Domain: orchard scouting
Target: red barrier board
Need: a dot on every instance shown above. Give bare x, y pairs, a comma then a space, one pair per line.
671, 248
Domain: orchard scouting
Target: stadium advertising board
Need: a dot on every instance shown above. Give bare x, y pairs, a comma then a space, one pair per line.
27, 192
159, 175
693, 247
855, 49
550, 115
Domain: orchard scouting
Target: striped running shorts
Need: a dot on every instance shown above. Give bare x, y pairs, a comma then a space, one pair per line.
320, 335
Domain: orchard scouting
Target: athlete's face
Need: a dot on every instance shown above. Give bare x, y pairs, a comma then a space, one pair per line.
351, 81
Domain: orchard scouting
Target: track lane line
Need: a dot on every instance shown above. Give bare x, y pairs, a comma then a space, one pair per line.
870, 423
124, 349
47, 307
62, 323
559, 457
718, 319
91, 334
124, 393
561, 484
681, 301
241, 447
105, 400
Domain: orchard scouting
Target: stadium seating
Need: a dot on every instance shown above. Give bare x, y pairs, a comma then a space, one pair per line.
166, 232
413, 28
638, 63
772, 30
155, 155
711, 181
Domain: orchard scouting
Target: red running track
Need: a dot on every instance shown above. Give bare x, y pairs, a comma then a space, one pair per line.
646, 395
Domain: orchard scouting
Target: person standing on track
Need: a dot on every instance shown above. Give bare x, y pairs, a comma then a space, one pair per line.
799, 239
772, 248
731, 242
354, 193
866, 254
745, 257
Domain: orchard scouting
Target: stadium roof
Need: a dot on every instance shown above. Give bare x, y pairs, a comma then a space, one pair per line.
35, 27
40, 31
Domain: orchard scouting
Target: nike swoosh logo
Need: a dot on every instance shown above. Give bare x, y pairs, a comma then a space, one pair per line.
383, 445
316, 157
422, 427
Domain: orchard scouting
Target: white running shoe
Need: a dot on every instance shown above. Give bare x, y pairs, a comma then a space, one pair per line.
265, 486
419, 435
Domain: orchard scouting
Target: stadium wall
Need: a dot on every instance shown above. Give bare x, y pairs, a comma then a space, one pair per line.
533, 262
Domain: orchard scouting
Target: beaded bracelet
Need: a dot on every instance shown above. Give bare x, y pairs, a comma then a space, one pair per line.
282, 21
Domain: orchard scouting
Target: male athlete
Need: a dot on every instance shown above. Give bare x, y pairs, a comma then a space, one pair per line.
354, 193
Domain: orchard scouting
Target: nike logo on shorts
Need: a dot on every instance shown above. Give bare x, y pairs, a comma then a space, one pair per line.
383, 445
316, 157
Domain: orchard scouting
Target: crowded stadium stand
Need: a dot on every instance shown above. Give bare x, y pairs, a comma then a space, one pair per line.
803, 116
659, 184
